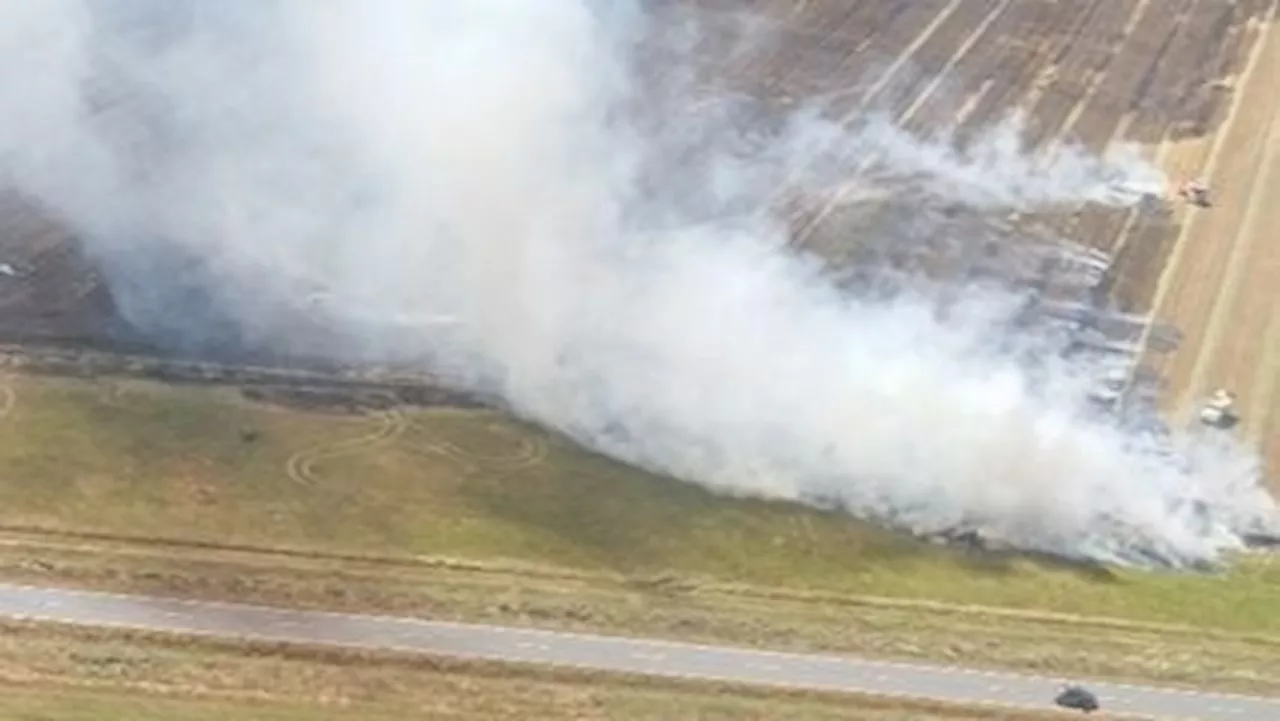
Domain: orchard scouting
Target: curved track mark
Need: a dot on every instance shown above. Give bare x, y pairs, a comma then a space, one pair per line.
301, 466
115, 394
527, 453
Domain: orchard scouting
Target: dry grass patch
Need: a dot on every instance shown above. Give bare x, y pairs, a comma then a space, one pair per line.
662, 607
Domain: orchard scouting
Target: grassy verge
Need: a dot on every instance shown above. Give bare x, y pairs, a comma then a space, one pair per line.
321, 511
57, 673
662, 606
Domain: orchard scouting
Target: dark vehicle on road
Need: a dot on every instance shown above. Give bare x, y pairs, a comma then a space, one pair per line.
1077, 697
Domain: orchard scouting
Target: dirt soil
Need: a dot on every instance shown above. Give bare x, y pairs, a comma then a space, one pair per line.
1219, 288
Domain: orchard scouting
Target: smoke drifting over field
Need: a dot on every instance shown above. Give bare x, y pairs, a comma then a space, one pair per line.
602, 244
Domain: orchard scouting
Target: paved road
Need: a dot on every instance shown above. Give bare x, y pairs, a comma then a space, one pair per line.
660, 658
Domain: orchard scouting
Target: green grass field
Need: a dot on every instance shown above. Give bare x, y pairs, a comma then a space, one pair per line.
469, 515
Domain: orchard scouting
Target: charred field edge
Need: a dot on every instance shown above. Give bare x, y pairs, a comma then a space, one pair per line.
300, 388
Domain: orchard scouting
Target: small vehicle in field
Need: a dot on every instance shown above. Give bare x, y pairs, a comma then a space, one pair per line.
1220, 410
1077, 697
1194, 192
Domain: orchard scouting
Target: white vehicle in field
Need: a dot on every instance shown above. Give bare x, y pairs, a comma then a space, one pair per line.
1220, 410
1110, 387
1195, 192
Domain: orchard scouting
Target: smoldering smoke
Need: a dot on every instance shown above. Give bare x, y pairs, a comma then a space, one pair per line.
603, 250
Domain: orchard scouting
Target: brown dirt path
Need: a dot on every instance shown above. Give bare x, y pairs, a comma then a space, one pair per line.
1219, 287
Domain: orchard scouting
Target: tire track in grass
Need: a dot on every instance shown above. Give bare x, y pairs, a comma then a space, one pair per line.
528, 451
301, 465
115, 394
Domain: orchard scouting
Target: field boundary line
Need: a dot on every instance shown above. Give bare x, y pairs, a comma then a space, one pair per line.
1159, 150
969, 43
803, 234
140, 544
482, 664
172, 691
1096, 77
907, 53
863, 98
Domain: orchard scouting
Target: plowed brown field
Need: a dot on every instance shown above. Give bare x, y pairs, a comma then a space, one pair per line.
1192, 81
1186, 78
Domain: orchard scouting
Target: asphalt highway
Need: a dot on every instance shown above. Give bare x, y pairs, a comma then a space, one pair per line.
658, 658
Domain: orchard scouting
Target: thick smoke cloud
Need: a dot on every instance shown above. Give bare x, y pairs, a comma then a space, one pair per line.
504, 191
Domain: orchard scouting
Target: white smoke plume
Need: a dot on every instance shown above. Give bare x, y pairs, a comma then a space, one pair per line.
602, 245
